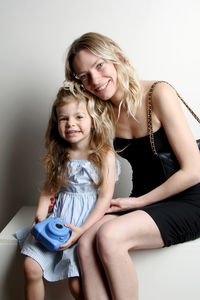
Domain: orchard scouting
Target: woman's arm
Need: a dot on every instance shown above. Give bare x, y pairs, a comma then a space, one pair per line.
167, 109
105, 195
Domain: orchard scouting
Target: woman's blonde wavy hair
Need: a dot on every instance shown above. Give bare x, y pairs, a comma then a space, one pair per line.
57, 155
107, 49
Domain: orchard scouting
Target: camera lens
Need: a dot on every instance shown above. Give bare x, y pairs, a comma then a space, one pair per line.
59, 226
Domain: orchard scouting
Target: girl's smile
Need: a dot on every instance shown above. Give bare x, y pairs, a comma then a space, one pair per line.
71, 133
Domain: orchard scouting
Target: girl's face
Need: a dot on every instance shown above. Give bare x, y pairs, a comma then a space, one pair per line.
74, 122
98, 76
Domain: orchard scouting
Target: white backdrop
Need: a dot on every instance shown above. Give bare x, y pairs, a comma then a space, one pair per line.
160, 37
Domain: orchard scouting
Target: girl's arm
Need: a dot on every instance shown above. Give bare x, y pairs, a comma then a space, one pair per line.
105, 195
167, 110
43, 206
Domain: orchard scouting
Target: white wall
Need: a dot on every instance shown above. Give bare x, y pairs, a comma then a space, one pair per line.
161, 38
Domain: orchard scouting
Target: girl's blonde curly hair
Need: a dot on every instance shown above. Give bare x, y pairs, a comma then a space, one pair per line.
57, 155
107, 49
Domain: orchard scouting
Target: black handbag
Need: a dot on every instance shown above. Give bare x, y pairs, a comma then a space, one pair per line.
168, 160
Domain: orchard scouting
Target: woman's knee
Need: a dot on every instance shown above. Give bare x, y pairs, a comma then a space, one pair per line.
85, 249
32, 269
107, 241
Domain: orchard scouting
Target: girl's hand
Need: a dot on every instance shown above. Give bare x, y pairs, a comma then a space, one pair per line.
76, 234
37, 220
123, 204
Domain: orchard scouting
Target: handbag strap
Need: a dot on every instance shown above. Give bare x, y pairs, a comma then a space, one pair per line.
150, 127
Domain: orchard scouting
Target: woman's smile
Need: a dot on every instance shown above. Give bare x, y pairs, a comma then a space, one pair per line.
96, 74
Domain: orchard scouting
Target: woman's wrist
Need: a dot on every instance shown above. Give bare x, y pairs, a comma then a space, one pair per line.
139, 201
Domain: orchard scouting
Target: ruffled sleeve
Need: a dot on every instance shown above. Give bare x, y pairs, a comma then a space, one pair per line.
93, 171
77, 167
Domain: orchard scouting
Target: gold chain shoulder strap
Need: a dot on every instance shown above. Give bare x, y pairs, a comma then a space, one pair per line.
150, 127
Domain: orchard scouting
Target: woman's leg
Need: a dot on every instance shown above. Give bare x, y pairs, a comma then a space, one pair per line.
93, 278
34, 286
132, 231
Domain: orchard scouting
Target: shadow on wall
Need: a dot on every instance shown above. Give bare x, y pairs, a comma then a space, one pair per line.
23, 172
123, 186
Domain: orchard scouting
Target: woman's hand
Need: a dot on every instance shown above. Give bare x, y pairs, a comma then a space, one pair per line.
123, 204
76, 234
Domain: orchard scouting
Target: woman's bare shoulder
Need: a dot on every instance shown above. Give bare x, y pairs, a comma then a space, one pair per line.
162, 90
161, 86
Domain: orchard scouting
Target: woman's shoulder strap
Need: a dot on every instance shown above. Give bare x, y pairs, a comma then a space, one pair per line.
183, 101
149, 112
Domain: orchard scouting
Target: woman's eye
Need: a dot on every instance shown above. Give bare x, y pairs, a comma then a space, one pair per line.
100, 65
83, 77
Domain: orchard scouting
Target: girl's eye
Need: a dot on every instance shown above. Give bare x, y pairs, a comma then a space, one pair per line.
79, 117
63, 119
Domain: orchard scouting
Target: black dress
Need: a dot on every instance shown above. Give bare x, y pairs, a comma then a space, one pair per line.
177, 217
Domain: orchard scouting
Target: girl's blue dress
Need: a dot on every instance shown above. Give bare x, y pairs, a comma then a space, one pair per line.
74, 204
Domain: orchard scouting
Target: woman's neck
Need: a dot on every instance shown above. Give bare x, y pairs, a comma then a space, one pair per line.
117, 97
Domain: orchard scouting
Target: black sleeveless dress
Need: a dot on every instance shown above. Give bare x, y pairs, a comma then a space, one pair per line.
177, 217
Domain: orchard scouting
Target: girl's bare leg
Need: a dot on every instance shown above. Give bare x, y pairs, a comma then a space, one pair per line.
93, 278
75, 287
34, 286
132, 231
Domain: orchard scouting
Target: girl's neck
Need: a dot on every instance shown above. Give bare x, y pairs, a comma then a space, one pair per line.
76, 153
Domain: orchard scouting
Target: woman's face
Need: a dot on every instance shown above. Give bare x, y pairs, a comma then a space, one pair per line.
98, 76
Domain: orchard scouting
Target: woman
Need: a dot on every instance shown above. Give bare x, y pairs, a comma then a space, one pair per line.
159, 212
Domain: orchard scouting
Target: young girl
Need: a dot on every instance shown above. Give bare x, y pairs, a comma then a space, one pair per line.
79, 165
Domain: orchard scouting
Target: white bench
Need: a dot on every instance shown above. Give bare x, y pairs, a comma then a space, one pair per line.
164, 274
11, 262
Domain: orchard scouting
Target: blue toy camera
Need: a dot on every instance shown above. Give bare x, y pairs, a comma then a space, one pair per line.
51, 233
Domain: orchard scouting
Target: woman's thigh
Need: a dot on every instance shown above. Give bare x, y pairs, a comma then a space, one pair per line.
134, 230
91, 232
